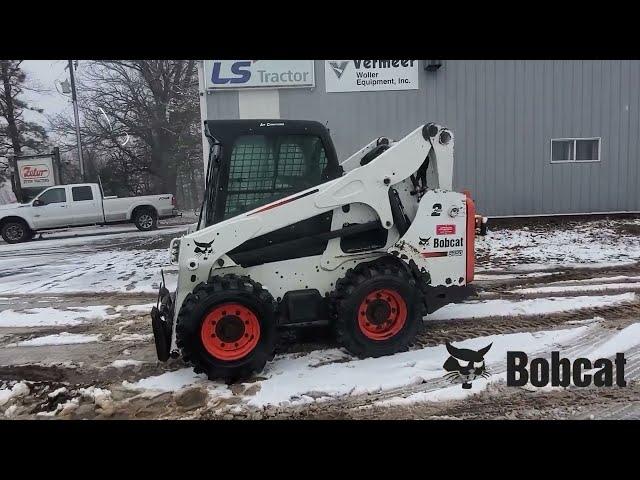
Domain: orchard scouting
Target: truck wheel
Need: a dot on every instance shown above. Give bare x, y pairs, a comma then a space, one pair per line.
145, 219
376, 310
16, 231
226, 328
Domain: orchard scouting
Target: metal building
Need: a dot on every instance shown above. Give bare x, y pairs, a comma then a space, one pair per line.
532, 137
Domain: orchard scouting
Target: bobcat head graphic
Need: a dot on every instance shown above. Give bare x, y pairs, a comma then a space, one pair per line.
203, 249
465, 365
424, 241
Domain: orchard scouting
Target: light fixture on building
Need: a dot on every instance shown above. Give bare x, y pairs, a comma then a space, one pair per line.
432, 65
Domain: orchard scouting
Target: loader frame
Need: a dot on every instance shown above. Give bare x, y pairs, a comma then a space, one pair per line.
378, 194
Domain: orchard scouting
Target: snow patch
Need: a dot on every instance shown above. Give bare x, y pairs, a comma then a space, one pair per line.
20, 389
47, 316
125, 363
167, 382
64, 338
587, 287
132, 337
503, 308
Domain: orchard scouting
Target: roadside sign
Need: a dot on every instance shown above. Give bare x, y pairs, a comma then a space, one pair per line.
36, 172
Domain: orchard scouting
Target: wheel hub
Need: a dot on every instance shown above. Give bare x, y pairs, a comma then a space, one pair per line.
382, 314
14, 232
230, 328
378, 311
230, 331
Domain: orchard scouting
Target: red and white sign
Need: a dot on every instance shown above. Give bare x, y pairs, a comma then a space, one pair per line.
36, 173
445, 229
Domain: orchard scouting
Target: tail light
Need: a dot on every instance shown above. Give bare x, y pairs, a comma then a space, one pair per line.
173, 201
471, 237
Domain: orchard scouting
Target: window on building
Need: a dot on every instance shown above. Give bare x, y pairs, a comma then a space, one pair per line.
81, 193
575, 150
55, 195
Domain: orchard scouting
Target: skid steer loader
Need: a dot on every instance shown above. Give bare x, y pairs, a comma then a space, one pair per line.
288, 235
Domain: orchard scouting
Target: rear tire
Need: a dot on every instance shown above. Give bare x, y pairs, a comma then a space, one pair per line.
145, 219
226, 328
16, 231
376, 309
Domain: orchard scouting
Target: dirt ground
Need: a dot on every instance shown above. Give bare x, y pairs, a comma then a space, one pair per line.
91, 380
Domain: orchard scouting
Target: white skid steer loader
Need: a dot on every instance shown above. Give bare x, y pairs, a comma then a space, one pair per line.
288, 235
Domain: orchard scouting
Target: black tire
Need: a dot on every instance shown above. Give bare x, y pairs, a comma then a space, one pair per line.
145, 219
202, 301
350, 293
16, 231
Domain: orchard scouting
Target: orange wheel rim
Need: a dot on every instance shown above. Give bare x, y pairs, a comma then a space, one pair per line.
382, 314
230, 331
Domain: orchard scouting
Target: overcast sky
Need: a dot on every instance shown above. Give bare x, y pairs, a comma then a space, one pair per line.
45, 73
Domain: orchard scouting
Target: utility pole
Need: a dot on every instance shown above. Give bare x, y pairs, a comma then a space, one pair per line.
75, 114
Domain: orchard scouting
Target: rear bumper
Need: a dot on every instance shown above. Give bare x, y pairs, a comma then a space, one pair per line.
169, 213
438, 297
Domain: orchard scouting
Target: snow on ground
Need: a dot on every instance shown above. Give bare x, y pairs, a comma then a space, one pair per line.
622, 341
63, 338
503, 308
20, 389
146, 307
47, 316
122, 271
581, 243
589, 287
169, 381
323, 374
124, 261
127, 362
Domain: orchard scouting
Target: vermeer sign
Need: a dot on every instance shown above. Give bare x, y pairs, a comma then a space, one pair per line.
370, 75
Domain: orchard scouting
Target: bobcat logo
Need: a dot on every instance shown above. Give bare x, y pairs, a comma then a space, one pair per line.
203, 249
424, 241
465, 365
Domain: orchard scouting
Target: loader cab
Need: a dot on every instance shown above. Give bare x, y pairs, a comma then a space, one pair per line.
256, 162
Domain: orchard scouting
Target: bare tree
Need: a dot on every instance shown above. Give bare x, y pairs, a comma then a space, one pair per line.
16, 134
142, 117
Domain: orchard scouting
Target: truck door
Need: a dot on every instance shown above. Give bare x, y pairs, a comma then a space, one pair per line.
50, 209
84, 205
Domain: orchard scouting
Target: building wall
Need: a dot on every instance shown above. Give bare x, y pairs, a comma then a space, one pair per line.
503, 114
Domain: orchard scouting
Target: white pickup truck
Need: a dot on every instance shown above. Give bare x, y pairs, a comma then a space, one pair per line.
81, 204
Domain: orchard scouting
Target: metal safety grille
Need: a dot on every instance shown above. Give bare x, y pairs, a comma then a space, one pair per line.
266, 168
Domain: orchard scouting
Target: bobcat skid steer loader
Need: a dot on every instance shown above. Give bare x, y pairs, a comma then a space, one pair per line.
288, 235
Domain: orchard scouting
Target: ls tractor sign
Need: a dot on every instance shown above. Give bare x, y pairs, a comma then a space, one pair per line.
236, 74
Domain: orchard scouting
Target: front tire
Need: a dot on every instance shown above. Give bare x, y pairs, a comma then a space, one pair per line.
226, 328
377, 310
146, 219
16, 231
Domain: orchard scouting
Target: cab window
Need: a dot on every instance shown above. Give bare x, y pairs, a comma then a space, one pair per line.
55, 195
81, 193
266, 168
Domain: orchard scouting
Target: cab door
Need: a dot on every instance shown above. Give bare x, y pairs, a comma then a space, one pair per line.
50, 209
84, 206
